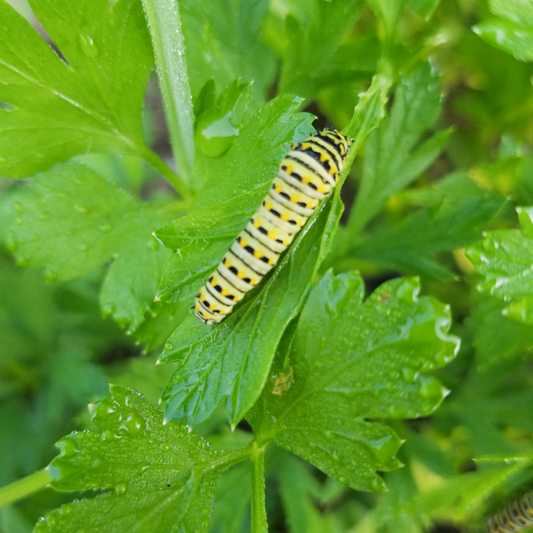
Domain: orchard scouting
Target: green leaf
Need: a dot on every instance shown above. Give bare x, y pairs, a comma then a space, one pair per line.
298, 488
391, 159
407, 246
234, 186
498, 337
508, 36
94, 103
234, 357
392, 514
223, 42
232, 501
218, 124
520, 11
195, 395
424, 8
464, 498
153, 477
71, 221
309, 62
353, 362
389, 11
504, 259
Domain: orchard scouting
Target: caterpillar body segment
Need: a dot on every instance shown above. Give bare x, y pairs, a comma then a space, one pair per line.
307, 175
514, 517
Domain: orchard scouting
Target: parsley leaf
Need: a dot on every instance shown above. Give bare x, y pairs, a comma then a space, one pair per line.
504, 260
512, 31
234, 187
71, 221
311, 50
216, 361
166, 484
223, 41
352, 362
391, 159
94, 103
453, 223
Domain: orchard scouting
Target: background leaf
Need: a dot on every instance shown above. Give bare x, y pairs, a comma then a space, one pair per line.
504, 259
391, 160
71, 238
223, 42
94, 103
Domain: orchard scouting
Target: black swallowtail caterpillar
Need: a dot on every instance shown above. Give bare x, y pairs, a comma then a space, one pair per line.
306, 176
516, 516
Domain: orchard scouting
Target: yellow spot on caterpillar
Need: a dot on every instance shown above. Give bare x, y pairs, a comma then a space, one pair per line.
202, 298
243, 243
222, 312
224, 292
332, 171
214, 282
236, 298
289, 169
309, 205
268, 207
286, 242
305, 146
299, 223
323, 158
306, 180
258, 254
272, 234
212, 307
257, 224
342, 149
271, 261
321, 189
295, 199
227, 263
253, 282
285, 216
336, 179
241, 275
278, 188
197, 307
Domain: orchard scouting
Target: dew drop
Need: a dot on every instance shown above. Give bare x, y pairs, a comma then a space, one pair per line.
121, 488
88, 46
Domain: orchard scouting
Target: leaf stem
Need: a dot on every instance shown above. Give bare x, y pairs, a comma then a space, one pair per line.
259, 518
155, 161
24, 487
167, 39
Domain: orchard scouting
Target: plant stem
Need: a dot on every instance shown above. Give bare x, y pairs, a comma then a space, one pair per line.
167, 40
24, 487
259, 519
368, 113
155, 161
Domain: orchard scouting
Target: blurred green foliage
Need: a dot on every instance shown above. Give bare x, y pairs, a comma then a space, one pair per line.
313, 386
